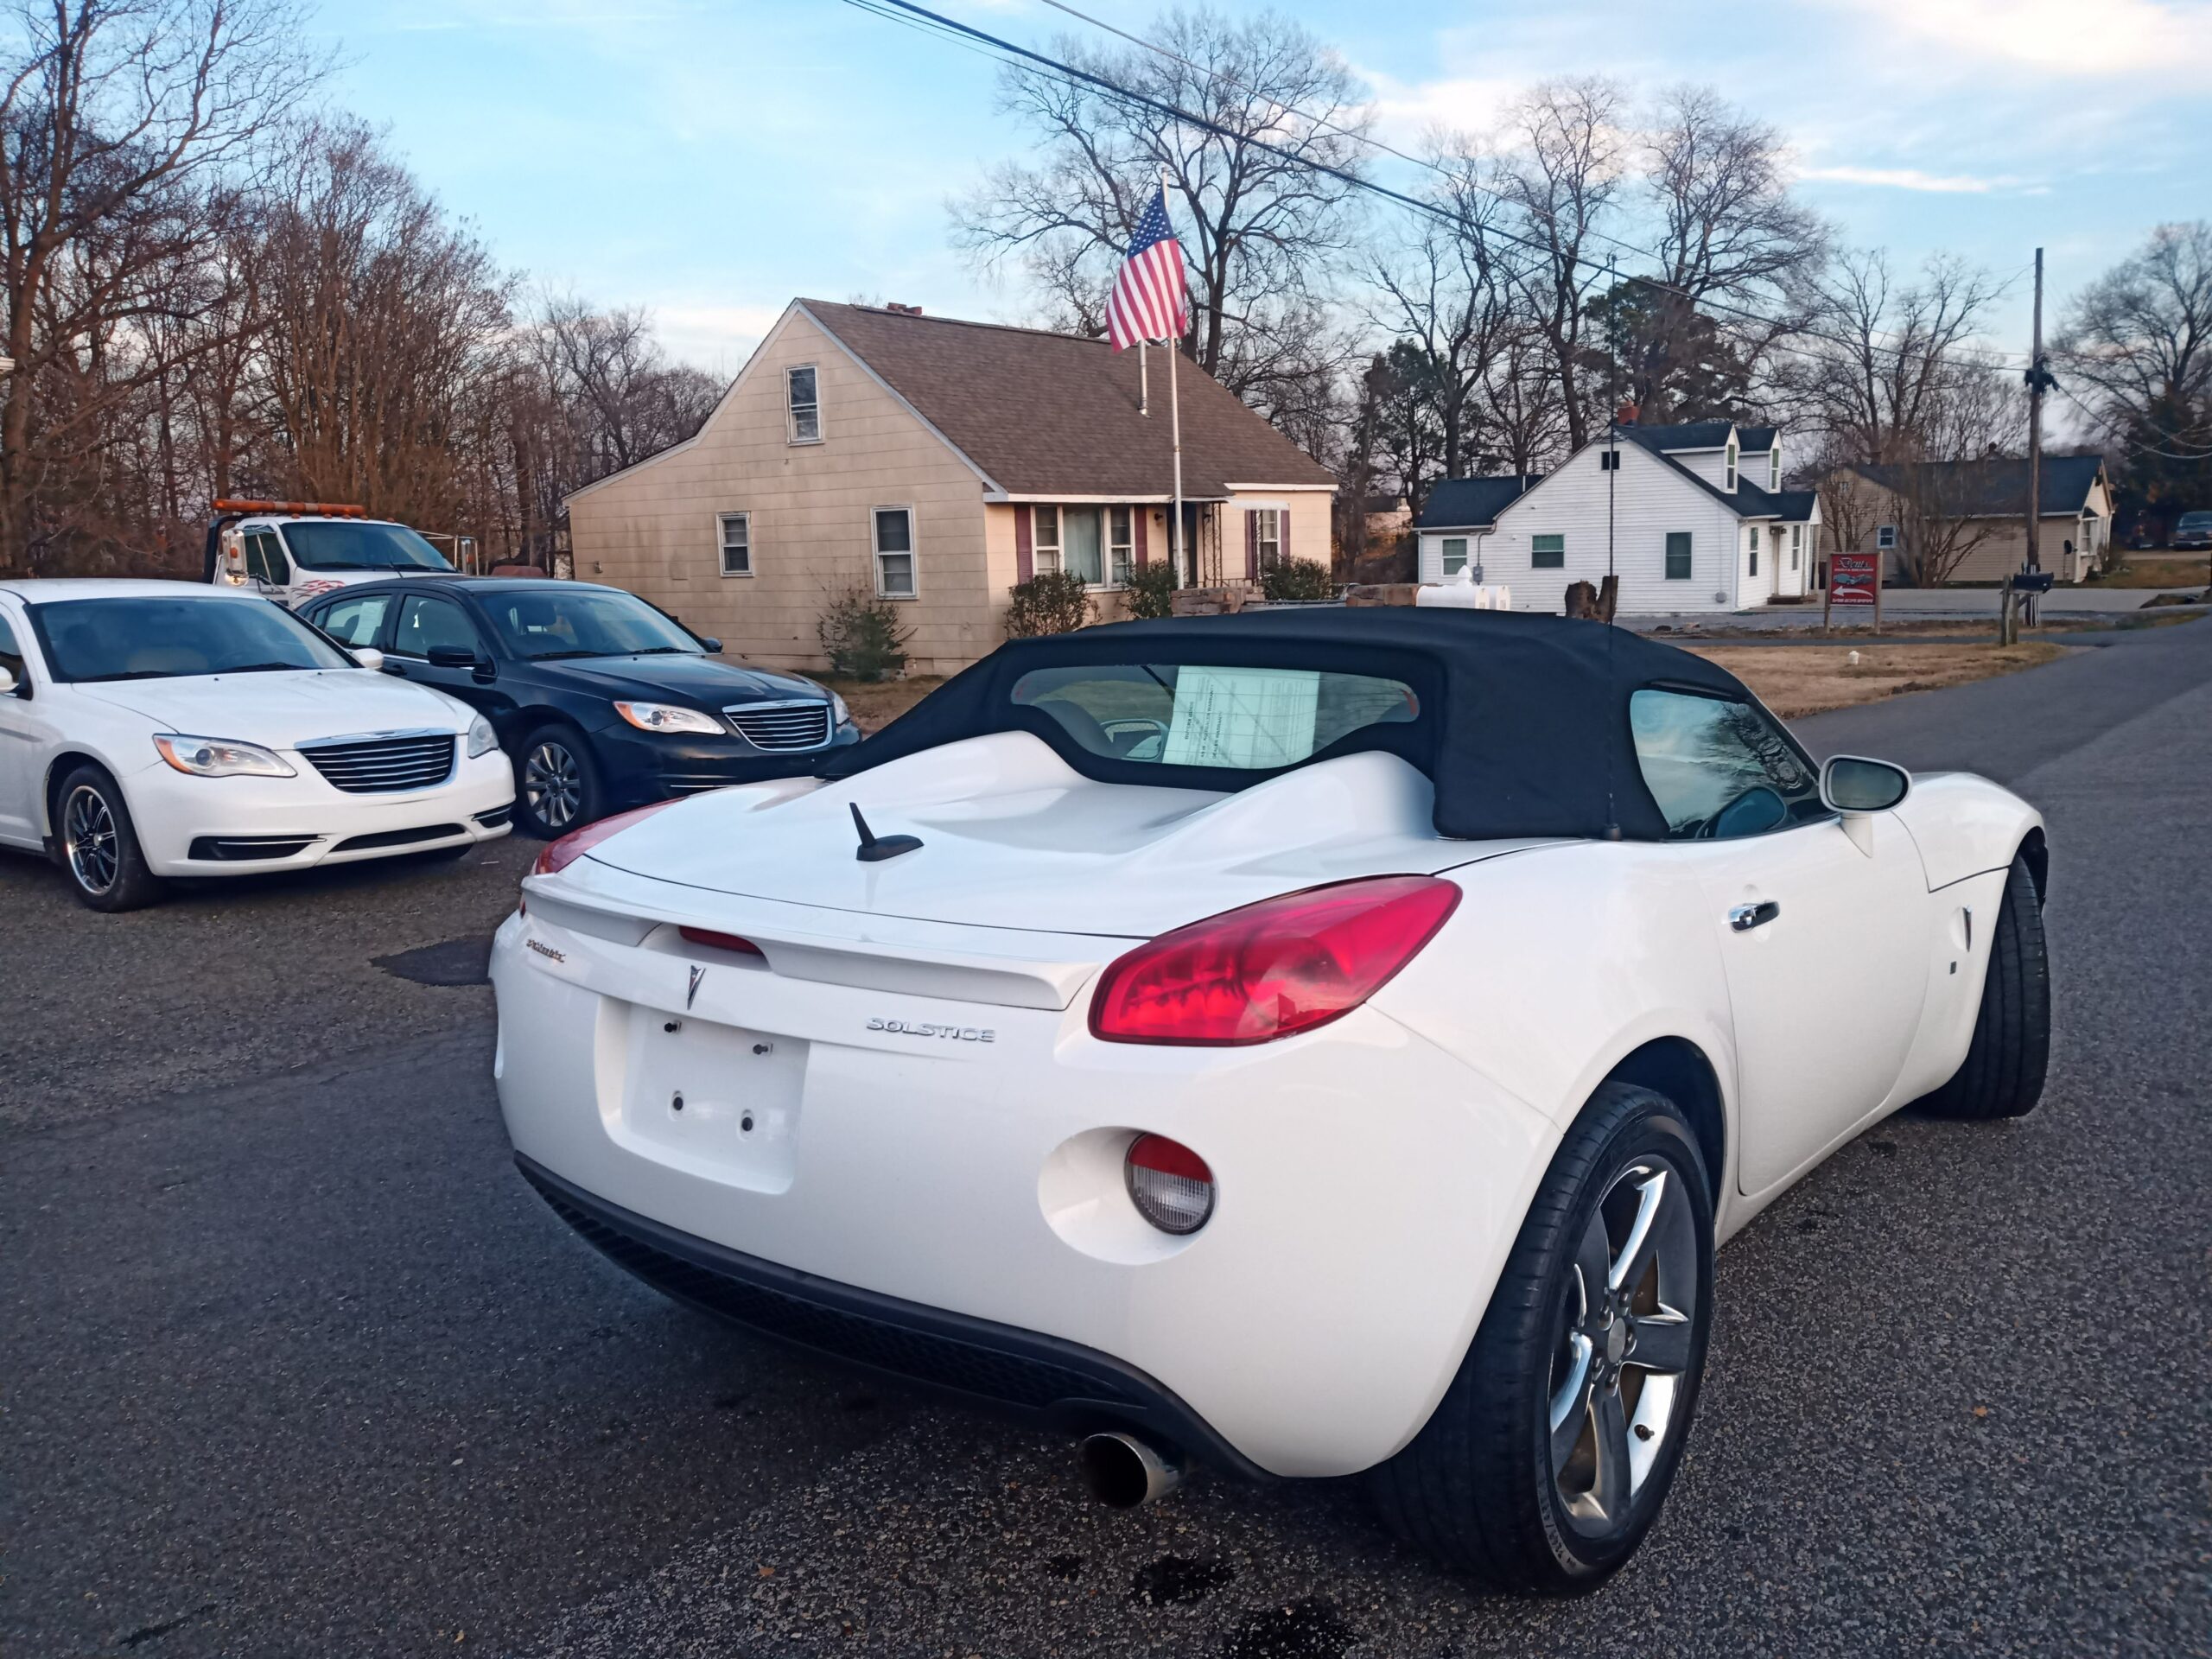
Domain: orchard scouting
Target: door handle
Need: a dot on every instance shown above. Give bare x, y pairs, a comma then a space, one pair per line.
1745, 918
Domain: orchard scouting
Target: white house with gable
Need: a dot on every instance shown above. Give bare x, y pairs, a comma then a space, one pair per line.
1694, 516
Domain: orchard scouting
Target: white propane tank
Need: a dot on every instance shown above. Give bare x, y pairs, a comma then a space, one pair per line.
1464, 592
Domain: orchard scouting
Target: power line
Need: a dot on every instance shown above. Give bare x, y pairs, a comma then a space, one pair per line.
2130, 443
1069, 72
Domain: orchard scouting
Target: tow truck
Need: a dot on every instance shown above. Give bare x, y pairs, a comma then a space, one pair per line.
293, 552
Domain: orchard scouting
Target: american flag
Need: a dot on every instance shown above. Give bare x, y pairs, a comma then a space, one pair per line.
1149, 293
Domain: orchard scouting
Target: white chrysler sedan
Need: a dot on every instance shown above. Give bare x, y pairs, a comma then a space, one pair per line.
1314, 1043
152, 729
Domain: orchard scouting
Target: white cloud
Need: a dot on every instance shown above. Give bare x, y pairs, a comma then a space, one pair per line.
2062, 38
718, 338
1406, 110
1912, 178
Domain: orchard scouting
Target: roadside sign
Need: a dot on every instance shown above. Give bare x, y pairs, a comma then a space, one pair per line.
1853, 577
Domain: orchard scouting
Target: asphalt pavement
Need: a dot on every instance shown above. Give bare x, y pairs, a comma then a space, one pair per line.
291, 1362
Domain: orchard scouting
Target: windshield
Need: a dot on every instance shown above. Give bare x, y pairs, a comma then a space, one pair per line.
349, 545
543, 622
156, 637
1188, 715
2195, 521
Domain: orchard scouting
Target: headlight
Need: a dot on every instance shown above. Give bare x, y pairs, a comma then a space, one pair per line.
218, 757
839, 715
667, 717
482, 739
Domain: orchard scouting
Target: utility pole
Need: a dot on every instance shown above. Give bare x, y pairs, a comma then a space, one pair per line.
2039, 377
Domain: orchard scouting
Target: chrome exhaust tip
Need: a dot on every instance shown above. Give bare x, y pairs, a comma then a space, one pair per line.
1124, 1472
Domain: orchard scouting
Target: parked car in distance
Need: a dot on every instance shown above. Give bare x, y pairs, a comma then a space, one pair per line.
2193, 531
295, 551
1318, 1043
602, 701
152, 729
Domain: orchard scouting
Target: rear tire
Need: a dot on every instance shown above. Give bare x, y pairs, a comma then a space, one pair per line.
1548, 1457
556, 784
98, 846
2003, 1073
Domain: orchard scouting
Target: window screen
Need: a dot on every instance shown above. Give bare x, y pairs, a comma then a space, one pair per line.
1188, 715
1548, 552
1678, 556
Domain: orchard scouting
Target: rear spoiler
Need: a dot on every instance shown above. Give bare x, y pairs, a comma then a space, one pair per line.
229, 510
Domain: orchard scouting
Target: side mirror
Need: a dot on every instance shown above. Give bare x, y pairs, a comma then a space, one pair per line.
1852, 785
7, 682
367, 656
451, 657
713, 647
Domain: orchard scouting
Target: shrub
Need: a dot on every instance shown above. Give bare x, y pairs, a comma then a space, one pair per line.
1055, 603
1297, 579
861, 632
1150, 590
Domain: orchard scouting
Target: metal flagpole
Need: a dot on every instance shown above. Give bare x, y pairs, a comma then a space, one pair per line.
1144, 382
1175, 419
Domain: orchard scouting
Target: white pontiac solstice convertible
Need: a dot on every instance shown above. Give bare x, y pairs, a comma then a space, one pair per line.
1305, 1042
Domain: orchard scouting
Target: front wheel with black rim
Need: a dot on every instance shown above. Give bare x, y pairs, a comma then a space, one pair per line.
97, 844
556, 785
1548, 1457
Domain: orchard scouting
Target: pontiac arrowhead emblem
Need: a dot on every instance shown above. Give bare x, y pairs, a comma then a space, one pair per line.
692, 995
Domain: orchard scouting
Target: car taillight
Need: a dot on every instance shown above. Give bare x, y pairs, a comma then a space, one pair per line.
559, 855
1269, 969
1169, 1184
721, 940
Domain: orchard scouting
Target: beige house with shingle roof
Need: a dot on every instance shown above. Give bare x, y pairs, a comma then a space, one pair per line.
938, 462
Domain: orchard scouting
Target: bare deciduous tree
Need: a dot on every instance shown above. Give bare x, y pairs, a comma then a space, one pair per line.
1563, 176
120, 120
1253, 191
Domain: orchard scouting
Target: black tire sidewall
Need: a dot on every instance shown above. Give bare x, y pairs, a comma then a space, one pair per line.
1650, 1126
591, 802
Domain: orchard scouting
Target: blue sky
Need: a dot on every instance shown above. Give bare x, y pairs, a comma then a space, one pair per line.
712, 158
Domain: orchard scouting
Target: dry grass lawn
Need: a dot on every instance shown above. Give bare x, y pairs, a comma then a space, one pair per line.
876, 704
1798, 680
2174, 572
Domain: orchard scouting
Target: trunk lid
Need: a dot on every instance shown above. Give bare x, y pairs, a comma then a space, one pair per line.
1013, 838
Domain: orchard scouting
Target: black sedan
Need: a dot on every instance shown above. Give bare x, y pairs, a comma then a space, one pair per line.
602, 701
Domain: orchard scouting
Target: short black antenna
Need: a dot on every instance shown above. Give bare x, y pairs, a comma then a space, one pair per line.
874, 848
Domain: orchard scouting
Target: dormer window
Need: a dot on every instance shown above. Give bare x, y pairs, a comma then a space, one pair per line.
1774, 466
1732, 464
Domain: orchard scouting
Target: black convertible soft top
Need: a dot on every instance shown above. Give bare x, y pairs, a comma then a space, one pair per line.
1524, 725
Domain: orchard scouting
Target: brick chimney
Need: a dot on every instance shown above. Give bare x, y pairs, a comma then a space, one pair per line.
897, 310
1627, 415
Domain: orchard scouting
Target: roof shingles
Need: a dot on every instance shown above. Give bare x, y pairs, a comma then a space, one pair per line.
1046, 414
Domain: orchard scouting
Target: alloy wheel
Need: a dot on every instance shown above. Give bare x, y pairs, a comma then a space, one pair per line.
553, 784
1619, 1369
88, 832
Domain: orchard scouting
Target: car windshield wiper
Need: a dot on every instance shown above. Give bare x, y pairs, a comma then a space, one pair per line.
341, 564
662, 651
132, 674
265, 668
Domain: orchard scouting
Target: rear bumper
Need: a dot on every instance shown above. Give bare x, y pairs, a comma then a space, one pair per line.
959, 1162
996, 1367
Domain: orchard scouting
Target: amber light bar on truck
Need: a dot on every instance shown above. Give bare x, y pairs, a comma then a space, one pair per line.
296, 509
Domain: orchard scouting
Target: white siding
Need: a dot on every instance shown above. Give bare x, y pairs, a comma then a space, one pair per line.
1711, 465
1651, 500
1430, 568
1754, 589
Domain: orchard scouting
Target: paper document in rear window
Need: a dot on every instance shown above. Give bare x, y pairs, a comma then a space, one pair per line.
1250, 718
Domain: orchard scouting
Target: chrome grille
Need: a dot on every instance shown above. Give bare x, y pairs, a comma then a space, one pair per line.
782, 726
380, 763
